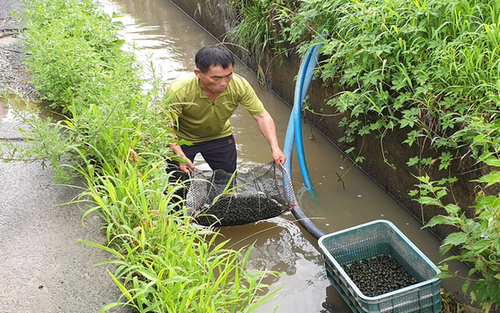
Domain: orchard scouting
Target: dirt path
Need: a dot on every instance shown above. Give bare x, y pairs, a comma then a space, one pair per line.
43, 266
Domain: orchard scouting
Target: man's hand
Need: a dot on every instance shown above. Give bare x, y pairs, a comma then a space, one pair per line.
185, 166
278, 157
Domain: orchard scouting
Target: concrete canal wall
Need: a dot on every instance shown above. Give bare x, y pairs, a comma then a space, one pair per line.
219, 18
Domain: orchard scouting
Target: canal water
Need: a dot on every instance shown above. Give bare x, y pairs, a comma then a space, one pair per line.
163, 34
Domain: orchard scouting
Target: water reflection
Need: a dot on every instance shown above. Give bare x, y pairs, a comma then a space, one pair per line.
280, 244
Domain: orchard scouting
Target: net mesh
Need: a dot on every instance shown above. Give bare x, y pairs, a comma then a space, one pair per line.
222, 199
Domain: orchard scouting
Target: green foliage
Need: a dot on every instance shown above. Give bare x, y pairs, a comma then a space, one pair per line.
164, 264
255, 30
259, 22
114, 135
477, 238
258, 29
430, 66
51, 149
75, 54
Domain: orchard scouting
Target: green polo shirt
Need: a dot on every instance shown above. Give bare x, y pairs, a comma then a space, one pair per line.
201, 119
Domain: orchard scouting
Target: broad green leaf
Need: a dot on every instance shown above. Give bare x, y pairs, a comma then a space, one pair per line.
441, 193
442, 220
472, 271
465, 286
444, 275
455, 239
452, 209
480, 265
497, 245
491, 178
493, 161
481, 245
429, 201
413, 161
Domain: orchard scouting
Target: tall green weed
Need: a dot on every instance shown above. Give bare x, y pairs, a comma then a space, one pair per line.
478, 237
163, 263
76, 55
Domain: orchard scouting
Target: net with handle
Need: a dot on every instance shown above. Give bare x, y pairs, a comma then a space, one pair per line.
218, 198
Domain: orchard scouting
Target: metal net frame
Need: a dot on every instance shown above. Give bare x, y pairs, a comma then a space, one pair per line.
218, 198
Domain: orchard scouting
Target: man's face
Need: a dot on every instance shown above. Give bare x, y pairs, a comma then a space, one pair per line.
216, 79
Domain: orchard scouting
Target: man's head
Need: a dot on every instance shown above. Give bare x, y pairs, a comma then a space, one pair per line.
214, 68
213, 56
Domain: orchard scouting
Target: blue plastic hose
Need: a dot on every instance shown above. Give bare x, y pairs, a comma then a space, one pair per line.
294, 134
301, 88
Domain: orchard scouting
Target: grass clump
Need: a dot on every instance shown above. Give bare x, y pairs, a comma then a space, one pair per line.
114, 135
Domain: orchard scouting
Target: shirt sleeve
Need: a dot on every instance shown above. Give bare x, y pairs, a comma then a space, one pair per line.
249, 99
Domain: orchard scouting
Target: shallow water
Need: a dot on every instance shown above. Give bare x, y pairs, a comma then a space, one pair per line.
166, 35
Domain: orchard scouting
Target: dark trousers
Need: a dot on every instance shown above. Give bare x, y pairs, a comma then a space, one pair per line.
218, 153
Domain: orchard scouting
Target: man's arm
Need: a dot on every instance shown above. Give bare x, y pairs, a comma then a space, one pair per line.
178, 150
267, 127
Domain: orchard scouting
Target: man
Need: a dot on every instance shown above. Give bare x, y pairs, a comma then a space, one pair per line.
203, 104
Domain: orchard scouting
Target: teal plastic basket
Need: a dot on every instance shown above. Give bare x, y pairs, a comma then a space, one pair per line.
371, 240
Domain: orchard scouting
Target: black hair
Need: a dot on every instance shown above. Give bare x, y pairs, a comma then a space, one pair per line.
213, 56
